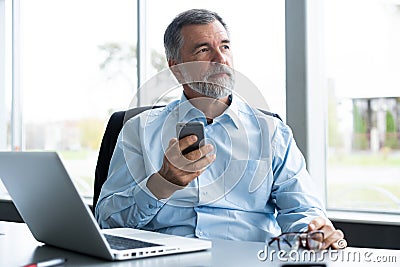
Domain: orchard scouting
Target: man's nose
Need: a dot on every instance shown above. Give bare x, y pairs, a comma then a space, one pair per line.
219, 57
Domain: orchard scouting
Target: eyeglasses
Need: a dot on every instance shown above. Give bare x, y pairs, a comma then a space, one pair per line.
294, 240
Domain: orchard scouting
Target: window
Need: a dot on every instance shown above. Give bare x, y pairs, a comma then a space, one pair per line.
5, 90
77, 65
361, 76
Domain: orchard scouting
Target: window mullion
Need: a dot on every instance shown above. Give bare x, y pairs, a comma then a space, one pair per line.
16, 107
304, 97
3, 110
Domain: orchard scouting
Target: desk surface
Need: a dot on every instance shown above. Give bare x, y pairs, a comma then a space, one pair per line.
18, 247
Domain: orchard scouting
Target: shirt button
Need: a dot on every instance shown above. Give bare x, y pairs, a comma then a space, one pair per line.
151, 206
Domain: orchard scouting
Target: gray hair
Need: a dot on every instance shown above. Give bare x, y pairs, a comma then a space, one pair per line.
173, 40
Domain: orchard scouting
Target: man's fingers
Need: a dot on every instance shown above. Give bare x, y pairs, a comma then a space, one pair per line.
173, 148
332, 237
202, 163
187, 142
199, 153
180, 170
334, 240
318, 223
172, 142
193, 170
198, 166
174, 154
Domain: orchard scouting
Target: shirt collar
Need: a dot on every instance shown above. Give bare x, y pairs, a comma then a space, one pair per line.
188, 112
233, 111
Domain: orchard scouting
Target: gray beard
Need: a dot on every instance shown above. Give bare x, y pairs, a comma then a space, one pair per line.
214, 88
219, 89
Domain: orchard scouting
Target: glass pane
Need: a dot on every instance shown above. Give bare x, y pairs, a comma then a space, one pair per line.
78, 66
362, 64
257, 39
5, 81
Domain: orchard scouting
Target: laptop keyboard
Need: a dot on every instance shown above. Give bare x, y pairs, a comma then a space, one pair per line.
122, 243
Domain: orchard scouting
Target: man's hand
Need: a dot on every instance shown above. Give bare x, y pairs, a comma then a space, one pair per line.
179, 170
333, 238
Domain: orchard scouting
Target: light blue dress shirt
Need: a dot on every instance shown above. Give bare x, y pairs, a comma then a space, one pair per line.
256, 188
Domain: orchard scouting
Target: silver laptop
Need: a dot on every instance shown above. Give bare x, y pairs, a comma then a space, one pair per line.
55, 213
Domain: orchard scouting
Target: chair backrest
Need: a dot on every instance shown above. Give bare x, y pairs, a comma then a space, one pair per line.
109, 141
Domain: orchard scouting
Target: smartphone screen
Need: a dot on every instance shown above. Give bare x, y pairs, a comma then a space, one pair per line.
184, 129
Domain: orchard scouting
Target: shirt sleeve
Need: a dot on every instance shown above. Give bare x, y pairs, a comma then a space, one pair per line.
125, 200
293, 191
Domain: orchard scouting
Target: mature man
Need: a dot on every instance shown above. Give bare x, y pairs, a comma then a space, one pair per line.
249, 182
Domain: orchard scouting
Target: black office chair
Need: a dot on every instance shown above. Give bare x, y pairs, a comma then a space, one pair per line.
109, 141
114, 126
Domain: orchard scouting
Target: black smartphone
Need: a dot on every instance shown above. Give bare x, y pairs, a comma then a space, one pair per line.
184, 129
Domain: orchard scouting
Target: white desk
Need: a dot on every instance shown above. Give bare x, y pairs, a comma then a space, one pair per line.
18, 247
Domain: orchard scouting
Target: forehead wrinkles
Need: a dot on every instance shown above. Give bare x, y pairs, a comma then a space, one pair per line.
204, 33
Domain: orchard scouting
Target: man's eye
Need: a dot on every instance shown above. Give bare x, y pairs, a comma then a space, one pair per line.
203, 50
226, 47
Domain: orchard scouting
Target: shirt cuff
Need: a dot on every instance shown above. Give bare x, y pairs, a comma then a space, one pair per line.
145, 200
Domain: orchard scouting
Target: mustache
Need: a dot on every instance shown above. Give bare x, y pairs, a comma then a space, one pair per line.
219, 69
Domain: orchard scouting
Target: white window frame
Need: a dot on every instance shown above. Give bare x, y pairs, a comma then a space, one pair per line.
142, 54
3, 110
17, 131
10, 43
303, 83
